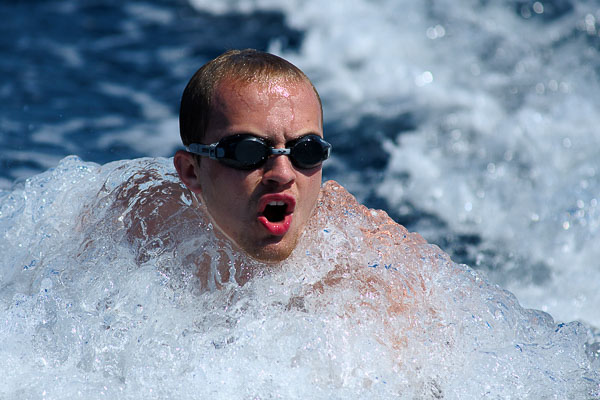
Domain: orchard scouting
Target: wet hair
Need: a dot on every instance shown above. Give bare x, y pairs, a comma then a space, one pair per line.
243, 66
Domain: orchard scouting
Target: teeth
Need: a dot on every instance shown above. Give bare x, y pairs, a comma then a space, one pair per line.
276, 203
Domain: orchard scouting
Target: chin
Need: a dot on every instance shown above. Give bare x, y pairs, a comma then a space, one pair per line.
272, 252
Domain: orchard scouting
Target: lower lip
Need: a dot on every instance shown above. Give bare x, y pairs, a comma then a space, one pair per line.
277, 228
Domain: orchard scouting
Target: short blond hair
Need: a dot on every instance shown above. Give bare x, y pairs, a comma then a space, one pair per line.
239, 66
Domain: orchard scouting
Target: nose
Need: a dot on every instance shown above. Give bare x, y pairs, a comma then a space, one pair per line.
278, 171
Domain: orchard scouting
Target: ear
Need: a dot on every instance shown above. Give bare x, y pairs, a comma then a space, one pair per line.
187, 169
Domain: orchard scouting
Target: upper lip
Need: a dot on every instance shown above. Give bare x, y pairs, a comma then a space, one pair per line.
288, 200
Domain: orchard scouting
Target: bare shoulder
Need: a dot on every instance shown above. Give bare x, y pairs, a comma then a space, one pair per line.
143, 205
336, 205
368, 250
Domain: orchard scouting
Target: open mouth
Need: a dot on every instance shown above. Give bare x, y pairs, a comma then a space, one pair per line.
275, 211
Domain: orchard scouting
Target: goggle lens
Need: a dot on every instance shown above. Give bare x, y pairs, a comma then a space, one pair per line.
308, 153
244, 154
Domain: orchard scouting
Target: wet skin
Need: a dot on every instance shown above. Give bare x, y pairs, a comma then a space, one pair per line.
279, 112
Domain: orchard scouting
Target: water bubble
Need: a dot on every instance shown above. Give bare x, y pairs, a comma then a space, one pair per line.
46, 285
436, 32
590, 24
424, 78
590, 19
540, 88
535, 217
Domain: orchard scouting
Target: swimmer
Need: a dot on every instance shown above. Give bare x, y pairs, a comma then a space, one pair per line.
246, 193
252, 124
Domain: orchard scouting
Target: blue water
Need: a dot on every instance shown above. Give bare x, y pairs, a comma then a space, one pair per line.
79, 77
471, 122
515, 112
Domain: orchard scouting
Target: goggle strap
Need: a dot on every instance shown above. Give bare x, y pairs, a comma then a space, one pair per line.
209, 150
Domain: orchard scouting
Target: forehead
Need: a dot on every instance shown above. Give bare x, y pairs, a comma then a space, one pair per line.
273, 99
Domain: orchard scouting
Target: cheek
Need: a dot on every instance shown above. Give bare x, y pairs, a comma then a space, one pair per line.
215, 178
312, 191
226, 189
213, 188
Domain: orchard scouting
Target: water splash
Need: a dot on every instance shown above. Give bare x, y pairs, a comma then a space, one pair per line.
99, 298
479, 153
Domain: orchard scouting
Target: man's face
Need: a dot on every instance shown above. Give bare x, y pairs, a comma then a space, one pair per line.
241, 202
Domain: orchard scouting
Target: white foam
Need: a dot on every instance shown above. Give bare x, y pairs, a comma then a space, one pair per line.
92, 307
506, 147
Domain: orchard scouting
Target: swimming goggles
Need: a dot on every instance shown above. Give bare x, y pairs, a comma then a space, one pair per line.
247, 152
